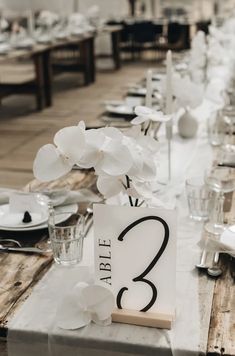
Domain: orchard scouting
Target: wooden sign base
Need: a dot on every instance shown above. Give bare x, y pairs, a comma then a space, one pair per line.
155, 320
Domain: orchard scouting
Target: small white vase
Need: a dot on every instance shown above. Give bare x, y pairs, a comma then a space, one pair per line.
187, 125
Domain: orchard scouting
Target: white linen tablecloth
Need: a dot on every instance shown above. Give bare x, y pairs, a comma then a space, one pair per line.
33, 330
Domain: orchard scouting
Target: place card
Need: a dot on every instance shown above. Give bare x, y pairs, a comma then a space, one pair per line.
135, 257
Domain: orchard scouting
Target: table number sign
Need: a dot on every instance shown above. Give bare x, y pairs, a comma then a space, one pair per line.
135, 257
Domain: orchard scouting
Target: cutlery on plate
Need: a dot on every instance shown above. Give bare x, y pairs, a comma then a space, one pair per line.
88, 220
14, 242
202, 263
215, 270
229, 165
23, 249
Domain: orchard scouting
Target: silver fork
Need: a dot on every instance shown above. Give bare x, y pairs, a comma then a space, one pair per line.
23, 249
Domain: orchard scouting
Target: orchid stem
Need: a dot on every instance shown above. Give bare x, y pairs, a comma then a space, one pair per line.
141, 203
147, 128
128, 186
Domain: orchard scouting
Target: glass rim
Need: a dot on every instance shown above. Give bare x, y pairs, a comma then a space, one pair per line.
197, 182
70, 213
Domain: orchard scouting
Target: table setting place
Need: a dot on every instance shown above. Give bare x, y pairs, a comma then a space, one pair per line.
22, 213
134, 281
46, 27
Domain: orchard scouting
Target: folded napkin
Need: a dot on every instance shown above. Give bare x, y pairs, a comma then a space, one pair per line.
83, 304
79, 23
47, 18
225, 243
58, 197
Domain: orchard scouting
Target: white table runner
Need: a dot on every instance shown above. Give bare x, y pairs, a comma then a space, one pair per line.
33, 330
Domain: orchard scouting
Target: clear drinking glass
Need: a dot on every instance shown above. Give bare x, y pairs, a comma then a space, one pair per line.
216, 128
199, 197
220, 180
66, 231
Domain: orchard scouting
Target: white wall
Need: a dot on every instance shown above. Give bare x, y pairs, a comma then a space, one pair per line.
107, 7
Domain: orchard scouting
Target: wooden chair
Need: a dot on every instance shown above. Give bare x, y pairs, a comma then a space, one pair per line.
20, 78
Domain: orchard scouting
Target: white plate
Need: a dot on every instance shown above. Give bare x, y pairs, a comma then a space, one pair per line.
14, 220
67, 210
44, 39
137, 91
113, 102
4, 48
158, 77
120, 109
24, 44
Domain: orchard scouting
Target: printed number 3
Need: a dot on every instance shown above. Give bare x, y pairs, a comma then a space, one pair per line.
141, 277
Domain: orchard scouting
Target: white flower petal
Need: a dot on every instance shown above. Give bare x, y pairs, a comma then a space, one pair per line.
142, 111
100, 301
149, 143
94, 141
71, 142
49, 164
158, 116
82, 125
139, 120
71, 315
149, 170
117, 159
140, 190
109, 186
89, 158
112, 132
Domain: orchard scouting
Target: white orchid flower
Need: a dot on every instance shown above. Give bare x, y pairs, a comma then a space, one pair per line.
110, 186
145, 114
83, 304
54, 161
144, 149
140, 190
106, 153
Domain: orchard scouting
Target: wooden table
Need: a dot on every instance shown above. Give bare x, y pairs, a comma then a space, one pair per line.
83, 58
19, 274
115, 32
41, 86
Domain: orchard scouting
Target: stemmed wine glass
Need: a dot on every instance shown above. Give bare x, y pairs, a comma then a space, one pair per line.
220, 181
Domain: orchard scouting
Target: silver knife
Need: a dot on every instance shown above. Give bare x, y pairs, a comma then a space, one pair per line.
23, 249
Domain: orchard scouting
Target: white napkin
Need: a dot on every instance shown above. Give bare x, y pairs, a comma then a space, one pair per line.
58, 197
35, 205
225, 244
47, 18
83, 304
78, 23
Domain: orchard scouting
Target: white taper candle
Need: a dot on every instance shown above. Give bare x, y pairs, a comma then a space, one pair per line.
149, 89
30, 23
169, 83
169, 107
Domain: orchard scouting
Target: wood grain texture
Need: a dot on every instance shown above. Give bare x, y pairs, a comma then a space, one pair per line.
221, 338
19, 272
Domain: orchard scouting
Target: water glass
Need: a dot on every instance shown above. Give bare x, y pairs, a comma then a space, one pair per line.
216, 128
66, 231
199, 198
